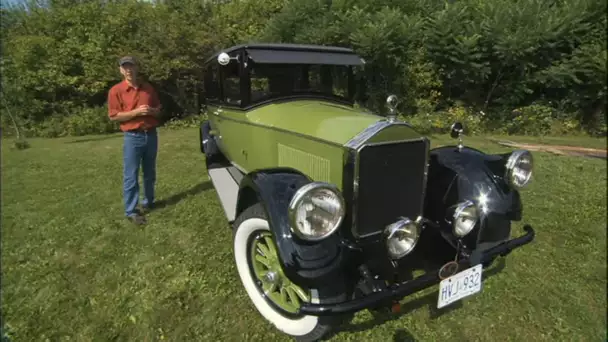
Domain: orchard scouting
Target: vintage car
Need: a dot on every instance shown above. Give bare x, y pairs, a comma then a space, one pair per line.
330, 204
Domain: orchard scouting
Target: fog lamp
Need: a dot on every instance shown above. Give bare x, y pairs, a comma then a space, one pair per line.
465, 217
401, 238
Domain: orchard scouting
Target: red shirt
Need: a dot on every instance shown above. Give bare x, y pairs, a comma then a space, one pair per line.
123, 98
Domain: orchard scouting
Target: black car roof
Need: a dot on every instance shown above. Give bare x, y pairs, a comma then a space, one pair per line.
261, 51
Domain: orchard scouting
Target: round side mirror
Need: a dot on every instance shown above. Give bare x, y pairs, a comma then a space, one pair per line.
456, 130
392, 102
223, 58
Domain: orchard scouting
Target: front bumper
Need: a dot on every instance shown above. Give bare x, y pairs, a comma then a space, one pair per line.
401, 290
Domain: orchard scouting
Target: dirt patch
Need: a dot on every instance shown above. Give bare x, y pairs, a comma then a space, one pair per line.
557, 149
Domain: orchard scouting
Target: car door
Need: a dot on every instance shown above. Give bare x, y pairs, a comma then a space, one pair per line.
212, 90
229, 119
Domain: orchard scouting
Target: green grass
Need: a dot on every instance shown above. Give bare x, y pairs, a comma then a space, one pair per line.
74, 269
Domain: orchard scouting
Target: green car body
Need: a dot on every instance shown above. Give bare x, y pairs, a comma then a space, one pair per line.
307, 135
333, 207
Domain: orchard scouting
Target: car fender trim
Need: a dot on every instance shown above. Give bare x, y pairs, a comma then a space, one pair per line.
304, 262
401, 290
457, 175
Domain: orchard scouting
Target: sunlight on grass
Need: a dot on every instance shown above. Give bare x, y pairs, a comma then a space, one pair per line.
73, 267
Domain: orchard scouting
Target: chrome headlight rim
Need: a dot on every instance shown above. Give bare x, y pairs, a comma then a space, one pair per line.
392, 229
513, 163
297, 199
460, 208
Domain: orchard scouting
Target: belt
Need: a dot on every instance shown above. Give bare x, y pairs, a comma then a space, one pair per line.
142, 130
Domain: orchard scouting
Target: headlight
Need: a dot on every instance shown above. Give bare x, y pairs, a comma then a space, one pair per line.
519, 168
316, 211
465, 218
401, 238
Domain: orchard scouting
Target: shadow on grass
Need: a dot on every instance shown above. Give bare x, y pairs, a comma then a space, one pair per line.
174, 199
402, 335
108, 137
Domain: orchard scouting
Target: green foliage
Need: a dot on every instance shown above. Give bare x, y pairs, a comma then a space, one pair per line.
539, 120
21, 144
243, 20
534, 120
192, 121
493, 56
439, 122
90, 121
490, 55
80, 121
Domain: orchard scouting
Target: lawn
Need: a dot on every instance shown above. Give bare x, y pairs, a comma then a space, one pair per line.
74, 269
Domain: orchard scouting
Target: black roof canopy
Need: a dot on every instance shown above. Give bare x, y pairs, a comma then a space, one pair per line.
295, 54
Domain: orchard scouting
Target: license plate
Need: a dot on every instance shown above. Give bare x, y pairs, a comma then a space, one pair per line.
459, 286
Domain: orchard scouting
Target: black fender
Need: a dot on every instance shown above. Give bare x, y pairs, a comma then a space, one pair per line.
208, 145
456, 175
213, 155
311, 264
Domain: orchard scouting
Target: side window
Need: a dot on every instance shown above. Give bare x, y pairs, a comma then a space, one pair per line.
269, 81
260, 86
211, 83
321, 78
231, 84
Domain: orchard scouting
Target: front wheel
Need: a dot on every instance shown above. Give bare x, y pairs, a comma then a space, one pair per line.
275, 297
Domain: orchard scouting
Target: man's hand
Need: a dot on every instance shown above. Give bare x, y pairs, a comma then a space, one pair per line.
126, 116
154, 111
142, 110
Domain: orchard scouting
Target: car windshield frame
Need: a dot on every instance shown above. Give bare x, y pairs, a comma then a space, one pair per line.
238, 85
318, 81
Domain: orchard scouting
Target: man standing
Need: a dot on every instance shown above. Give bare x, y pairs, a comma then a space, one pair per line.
135, 104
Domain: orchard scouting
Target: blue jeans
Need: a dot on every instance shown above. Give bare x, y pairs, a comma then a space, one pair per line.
139, 148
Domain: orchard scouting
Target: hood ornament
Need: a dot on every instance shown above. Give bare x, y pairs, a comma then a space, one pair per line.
391, 103
456, 133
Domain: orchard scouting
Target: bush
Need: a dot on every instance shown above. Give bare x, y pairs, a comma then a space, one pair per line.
21, 144
90, 121
81, 121
50, 128
189, 121
440, 122
535, 120
538, 119
529, 55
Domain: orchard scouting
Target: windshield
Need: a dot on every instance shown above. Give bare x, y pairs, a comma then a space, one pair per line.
278, 80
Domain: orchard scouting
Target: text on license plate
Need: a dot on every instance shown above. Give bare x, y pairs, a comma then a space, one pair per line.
459, 285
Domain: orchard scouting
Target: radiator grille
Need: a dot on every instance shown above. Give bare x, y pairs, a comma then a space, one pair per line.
391, 183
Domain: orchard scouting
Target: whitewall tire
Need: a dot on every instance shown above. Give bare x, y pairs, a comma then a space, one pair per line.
247, 226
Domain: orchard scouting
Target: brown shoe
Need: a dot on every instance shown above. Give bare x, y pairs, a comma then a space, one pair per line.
143, 210
137, 219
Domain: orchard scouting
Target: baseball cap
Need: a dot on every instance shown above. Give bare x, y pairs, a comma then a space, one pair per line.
127, 59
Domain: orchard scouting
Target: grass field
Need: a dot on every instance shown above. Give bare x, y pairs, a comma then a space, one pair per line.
74, 269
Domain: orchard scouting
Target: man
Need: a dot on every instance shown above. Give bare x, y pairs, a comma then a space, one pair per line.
135, 104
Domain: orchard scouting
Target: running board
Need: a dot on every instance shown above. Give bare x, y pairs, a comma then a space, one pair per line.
226, 181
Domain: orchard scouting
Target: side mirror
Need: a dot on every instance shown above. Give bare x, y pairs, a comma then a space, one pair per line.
224, 58
456, 132
391, 103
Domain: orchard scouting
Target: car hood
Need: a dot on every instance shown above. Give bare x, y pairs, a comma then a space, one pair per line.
327, 121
